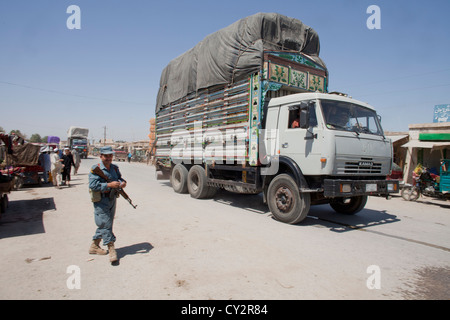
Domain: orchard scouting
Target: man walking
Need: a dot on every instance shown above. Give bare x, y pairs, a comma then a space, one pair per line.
76, 160
68, 162
56, 167
104, 194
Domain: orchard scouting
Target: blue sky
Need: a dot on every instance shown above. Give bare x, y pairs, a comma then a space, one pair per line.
107, 73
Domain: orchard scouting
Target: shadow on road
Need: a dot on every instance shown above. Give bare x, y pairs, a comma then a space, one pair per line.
319, 215
139, 248
325, 216
250, 202
24, 217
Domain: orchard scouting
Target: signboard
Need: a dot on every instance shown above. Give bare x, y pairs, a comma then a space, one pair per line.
441, 113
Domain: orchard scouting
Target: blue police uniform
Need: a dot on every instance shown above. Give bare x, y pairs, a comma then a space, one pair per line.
105, 209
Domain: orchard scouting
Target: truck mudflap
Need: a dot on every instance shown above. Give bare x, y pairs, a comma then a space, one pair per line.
348, 188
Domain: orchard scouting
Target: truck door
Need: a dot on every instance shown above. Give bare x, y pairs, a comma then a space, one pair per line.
302, 145
271, 135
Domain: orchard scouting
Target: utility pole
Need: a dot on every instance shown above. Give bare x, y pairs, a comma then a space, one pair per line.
104, 135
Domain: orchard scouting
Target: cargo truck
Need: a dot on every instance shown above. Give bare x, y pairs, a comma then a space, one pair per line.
78, 140
247, 110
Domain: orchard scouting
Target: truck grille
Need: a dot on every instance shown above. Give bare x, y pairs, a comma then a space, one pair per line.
359, 166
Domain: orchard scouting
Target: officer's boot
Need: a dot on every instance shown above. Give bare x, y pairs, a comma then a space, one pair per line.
112, 252
95, 248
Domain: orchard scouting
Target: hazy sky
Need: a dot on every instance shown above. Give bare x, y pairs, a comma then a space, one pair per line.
107, 73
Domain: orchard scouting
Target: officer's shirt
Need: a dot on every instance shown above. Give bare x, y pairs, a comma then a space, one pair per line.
97, 183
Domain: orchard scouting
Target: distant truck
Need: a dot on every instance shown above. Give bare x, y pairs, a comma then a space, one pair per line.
78, 139
120, 154
247, 110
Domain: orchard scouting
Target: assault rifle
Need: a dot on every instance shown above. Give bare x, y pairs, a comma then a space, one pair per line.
97, 171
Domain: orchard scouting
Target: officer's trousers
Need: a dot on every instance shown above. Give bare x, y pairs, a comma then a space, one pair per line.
104, 212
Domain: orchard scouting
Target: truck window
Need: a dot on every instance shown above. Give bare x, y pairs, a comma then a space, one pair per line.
294, 118
340, 115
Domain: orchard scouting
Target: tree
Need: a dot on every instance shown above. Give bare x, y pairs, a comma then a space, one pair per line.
44, 139
18, 133
35, 137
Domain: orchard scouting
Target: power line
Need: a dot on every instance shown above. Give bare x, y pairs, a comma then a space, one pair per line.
399, 78
405, 90
71, 94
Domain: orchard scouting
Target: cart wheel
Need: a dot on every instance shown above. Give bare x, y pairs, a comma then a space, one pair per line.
18, 182
410, 193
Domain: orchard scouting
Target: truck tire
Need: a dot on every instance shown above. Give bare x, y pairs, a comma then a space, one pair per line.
349, 206
285, 201
211, 192
179, 178
196, 183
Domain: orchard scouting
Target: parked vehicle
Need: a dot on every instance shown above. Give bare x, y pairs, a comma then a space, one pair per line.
78, 140
270, 127
428, 184
6, 186
396, 172
120, 155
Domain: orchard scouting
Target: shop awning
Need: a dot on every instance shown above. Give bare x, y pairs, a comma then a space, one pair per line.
427, 144
396, 138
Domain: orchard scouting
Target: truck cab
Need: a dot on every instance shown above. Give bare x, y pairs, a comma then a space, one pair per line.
81, 145
330, 135
332, 146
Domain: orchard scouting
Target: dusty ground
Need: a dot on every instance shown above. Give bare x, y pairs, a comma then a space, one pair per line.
176, 247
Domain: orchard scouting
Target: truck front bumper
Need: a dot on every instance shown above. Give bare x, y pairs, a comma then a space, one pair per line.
349, 188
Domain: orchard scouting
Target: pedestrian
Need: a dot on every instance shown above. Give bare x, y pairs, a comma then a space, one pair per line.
129, 157
56, 167
68, 162
103, 195
44, 162
147, 156
77, 160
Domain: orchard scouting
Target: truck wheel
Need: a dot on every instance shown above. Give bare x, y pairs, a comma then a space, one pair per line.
212, 192
285, 201
196, 182
18, 182
178, 179
349, 206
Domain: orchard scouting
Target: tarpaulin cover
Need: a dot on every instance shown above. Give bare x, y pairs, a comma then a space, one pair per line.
77, 132
53, 139
24, 155
233, 53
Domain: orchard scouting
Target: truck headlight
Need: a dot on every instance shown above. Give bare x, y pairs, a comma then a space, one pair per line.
346, 187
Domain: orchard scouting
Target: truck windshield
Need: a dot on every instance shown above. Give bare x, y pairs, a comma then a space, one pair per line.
79, 142
340, 115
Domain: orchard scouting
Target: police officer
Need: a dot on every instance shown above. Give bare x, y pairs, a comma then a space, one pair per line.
104, 195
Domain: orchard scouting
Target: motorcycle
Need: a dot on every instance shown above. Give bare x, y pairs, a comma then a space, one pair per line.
428, 184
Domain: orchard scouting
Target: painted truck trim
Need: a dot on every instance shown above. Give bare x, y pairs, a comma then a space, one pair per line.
239, 106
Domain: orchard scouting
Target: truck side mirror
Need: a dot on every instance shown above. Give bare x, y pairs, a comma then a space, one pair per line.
304, 118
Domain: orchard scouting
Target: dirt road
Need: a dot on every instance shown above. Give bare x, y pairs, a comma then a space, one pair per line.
229, 247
